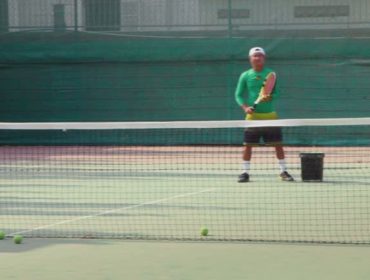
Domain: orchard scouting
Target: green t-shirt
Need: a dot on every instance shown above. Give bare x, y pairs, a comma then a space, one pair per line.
248, 89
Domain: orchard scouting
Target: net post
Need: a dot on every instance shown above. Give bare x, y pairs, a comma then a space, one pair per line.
75, 5
230, 22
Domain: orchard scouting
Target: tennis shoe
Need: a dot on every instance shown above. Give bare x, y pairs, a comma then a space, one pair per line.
285, 176
243, 178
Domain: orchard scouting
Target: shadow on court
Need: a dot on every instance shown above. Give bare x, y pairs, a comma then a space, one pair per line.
108, 259
7, 245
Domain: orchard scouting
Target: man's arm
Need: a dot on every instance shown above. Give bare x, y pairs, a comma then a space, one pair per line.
276, 92
239, 92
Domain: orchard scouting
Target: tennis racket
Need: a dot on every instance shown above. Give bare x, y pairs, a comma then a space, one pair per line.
267, 88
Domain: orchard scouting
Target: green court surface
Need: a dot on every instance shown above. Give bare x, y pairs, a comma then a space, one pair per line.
61, 259
169, 193
95, 197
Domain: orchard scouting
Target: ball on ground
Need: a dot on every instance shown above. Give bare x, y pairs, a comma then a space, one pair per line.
17, 239
204, 231
2, 235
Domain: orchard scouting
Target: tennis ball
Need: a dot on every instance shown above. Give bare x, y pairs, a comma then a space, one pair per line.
17, 239
204, 231
2, 235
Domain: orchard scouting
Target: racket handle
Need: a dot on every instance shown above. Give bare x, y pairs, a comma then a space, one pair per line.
254, 106
258, 101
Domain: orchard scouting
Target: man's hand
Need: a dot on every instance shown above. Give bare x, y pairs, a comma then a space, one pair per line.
266, 98
247, 109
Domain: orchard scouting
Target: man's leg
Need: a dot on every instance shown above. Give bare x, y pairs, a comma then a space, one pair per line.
247, 155
274, 136
280, 154
281, 157
251, 138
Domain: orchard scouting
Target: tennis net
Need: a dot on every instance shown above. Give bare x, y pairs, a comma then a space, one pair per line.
166, 180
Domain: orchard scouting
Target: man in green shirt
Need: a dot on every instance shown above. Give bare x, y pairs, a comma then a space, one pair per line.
247, 92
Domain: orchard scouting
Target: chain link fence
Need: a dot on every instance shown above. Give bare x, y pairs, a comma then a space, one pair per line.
184, 17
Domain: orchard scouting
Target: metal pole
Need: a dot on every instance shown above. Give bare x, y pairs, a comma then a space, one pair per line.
76, 15
230, 21
229, 68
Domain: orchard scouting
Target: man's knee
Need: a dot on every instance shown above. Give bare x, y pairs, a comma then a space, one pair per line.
247, 148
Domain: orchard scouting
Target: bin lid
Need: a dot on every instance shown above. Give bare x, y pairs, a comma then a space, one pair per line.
311, 155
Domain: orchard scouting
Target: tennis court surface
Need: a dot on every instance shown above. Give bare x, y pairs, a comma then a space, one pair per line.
164, 181
62, 259
122, 131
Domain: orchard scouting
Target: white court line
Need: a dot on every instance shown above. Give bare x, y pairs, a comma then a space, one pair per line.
113, 211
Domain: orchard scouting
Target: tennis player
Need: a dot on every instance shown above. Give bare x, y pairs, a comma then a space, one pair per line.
247, 92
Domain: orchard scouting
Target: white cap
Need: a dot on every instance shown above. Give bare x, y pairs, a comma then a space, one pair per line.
256, 50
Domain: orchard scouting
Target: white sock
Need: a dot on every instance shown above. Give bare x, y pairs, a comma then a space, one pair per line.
246, 166
282, 165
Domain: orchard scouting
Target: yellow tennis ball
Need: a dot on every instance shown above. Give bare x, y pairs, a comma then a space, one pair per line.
204, 231
17, 239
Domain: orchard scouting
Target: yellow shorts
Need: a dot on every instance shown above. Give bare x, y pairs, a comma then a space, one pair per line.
261, 116
269, 135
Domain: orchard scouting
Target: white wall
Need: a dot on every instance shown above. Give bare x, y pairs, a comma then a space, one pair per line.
25, 14
161, 14
167, 15
267, 14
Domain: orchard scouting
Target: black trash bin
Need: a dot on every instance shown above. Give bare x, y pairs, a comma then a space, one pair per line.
312, 167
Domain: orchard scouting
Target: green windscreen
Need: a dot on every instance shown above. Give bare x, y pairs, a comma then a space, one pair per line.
93, 60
